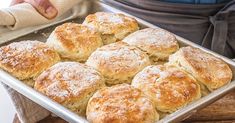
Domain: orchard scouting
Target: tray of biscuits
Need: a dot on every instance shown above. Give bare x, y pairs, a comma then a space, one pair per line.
111, 67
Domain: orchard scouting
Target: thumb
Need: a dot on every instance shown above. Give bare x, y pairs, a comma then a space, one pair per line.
44, 7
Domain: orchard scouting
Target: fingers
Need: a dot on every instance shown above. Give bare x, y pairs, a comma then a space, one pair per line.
14, 2
44, 7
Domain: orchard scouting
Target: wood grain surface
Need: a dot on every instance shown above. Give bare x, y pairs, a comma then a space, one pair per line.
221, 111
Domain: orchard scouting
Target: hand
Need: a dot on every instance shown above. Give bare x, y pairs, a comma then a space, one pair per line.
44, 7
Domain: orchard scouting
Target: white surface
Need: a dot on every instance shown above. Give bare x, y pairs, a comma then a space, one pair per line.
7, 110
5, 3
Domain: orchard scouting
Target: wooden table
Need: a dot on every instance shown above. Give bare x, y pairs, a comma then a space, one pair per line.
222, 111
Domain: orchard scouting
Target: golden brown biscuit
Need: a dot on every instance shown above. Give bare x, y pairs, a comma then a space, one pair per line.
113, 27
207, 69
156, 42
167, 86
70, 84
118, 62
74, 41
120, 104
27, 59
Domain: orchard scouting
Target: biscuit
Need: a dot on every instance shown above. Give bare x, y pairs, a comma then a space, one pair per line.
74, 41
118, 62
210, 71
113, 27
167, 86
70, 84
120, 104
156, 42
27, 59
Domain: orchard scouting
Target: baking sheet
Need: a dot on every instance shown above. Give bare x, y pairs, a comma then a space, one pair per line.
72, 117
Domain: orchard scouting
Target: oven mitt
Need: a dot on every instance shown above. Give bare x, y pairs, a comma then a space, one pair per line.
24, 15
27, 110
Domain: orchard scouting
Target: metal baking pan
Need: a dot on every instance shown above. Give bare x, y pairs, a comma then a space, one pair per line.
72, 117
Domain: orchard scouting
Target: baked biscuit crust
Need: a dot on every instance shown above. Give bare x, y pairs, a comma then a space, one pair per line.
120, 104
118, 62
206, 68
156, 42
74, 41
112, 26
70, 84
27, 59
167, 86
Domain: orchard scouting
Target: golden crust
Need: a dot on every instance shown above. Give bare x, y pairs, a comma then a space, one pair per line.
118, 62
167, 86
207, 69
27, 59
111, 24
74, 41
156, 42
120, 104
70, 84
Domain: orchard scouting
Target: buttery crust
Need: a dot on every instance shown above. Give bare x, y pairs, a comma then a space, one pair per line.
70, 84
156, 42
27, 59
118, 62
74, 41
120, 104
206, 68
112, 26
167, 86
